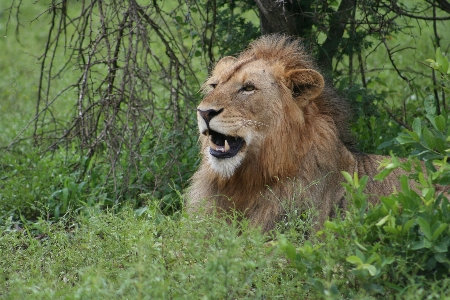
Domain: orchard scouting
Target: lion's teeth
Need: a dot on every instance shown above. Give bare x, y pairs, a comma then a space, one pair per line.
212, 145
220, 148
215, 147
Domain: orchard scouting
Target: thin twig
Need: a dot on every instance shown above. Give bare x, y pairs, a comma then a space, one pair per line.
400, 122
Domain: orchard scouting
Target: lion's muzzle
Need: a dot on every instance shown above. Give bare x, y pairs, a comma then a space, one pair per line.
220, 145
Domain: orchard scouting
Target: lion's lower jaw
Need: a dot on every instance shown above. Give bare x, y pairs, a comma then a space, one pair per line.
224, 166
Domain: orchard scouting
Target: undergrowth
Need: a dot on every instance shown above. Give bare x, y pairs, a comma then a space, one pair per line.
140, 256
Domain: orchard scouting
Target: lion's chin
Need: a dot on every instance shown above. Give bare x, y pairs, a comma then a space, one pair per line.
226, 167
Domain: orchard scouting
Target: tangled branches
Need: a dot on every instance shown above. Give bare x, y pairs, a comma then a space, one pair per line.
132, 86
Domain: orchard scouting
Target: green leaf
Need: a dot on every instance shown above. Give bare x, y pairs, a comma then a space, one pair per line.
383, 174
442, 62
392, 230
404, 182
334, 290
429, 104
372, 269
360, 255
420, 245
440, 144
408, 225
138, 212
65, 196
376, 288
353, 259
432, 119
382, 221
444, 179
390, 204
428, 138
445, 66
425, 227
360, 246
405, 139
355, 179
288, 249
417, 126
440, 257
438, 231
373, 258
386, 144
440, 123
347, 176
363, 181
439, 56
441, 247
423, 182
388, 260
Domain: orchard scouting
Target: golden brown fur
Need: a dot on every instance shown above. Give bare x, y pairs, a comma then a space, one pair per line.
295, 134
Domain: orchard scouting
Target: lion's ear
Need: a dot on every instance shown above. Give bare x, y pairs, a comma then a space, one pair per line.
306, 84
223, 64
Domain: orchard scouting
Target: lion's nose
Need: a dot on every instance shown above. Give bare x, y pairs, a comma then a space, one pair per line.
207, 115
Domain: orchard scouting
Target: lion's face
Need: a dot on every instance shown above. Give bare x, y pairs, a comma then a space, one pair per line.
245, 102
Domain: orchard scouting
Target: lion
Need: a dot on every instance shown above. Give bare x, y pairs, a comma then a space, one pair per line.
269, 125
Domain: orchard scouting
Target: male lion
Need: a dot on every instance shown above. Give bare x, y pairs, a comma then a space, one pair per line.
270, 127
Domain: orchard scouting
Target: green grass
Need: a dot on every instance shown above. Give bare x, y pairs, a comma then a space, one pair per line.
144, 255
118, 256
20, 76
20, 70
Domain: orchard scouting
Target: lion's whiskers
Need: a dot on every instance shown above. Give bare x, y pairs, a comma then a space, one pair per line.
250, 123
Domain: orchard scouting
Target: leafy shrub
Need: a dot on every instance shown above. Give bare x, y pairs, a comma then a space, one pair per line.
400, 246
405, 240
48, 186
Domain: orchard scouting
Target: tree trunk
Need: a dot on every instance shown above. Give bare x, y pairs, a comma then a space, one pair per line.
338, 23
288, 17
294, 18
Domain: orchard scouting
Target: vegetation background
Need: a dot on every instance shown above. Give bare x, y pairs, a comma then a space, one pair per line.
99, 138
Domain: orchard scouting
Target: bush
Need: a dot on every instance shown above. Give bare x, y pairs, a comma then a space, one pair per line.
400, 246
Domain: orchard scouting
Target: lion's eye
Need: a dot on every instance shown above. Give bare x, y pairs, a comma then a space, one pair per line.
248, 88
213, 85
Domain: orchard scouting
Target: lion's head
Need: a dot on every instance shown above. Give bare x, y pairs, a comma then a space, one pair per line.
264, 110
270, 128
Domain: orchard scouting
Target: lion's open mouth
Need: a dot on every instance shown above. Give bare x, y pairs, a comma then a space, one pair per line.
223, 146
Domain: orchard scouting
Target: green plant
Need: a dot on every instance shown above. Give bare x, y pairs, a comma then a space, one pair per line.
400, 245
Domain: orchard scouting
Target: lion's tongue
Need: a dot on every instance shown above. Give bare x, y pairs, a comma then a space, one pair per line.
218, 148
